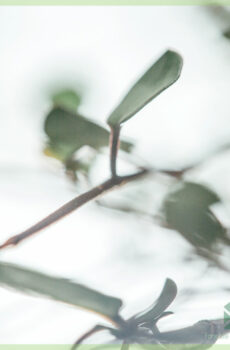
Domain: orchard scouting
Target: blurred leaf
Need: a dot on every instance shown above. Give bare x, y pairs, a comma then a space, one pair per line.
194, 193
76, 167
201, 333
187, 210
159, 77
68, 99
68, 132
63, 290
166, 297
227, 34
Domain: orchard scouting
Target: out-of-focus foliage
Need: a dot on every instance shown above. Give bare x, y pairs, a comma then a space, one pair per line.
67, 132
159, 77
59, 289
187, 209
139, 329
221, 16
227, 34
66, 98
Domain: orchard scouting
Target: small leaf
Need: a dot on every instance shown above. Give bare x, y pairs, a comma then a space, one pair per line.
68, 99
68, 132
166, 297
63, 290
159, 77
187, 210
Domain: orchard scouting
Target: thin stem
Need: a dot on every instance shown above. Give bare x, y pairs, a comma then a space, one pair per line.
96, 329
73, 205
114, 146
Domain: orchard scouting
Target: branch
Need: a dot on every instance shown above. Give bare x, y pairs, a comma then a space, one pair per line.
73, 205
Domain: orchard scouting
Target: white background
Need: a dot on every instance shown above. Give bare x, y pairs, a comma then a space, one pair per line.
102, 50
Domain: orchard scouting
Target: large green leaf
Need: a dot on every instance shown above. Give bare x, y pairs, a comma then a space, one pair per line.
159, 77
187, 210
166, 297
60, 289
67, 132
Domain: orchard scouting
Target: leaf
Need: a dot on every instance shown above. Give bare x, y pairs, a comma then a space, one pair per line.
32, 282
194, 193
187, 210
76, 167
202, 333
66, 98
68, 132
159, 77
166, 297
227, 34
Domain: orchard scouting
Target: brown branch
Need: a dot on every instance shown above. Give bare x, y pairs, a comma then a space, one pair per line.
73, 205
114, 146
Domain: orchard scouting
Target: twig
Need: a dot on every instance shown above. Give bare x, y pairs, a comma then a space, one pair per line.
73, 205
96, 329
124, 209
86, 197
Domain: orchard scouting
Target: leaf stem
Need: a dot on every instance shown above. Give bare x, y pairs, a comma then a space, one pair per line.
114, 146
73, 205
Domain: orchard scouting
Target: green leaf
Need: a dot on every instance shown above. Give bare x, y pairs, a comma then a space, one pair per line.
166, 297
227, 34
159, 77
66, 98
201, 333
194, 193
67, 132
32, 282
187, 210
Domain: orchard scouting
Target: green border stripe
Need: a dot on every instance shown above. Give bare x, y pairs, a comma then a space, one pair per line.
108, 347
110, 2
